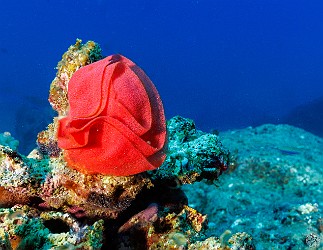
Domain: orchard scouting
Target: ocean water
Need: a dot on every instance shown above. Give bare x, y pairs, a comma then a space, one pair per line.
226, 64
229, 65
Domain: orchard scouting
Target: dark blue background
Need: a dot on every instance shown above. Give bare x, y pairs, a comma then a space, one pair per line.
225, 64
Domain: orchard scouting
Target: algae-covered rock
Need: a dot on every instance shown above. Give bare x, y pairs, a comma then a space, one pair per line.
77, 56
50, 183
192, 154
46, 182
29, 228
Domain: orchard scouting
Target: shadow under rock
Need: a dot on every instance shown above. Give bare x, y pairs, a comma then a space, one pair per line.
308, 116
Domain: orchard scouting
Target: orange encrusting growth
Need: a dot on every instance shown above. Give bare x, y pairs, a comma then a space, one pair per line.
116, 122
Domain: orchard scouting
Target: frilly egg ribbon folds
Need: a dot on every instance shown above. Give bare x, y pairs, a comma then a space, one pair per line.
115, 123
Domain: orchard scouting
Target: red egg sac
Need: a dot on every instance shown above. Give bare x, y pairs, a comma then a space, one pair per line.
116, 122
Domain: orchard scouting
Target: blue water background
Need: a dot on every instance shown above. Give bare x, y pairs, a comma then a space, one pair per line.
226, 64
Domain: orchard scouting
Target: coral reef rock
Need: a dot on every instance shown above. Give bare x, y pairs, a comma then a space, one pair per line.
45, 204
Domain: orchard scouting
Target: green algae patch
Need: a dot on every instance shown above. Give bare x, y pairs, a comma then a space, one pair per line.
33, 234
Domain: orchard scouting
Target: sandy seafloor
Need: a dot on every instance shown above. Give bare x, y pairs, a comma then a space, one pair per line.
274, 192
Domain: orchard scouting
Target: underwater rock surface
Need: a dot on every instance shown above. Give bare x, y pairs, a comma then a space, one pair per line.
273, 191
143, 211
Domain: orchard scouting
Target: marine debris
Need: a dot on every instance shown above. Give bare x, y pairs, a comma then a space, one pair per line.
47, 204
